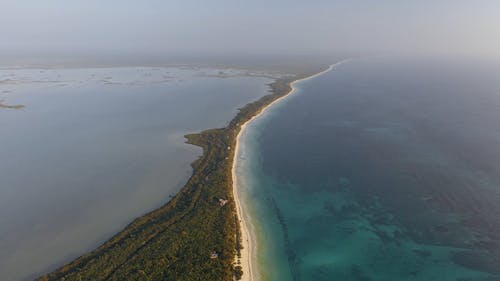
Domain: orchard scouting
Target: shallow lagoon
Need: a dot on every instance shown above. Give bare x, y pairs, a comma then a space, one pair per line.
95, 148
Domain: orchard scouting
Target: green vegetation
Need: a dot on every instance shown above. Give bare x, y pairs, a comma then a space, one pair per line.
193, 236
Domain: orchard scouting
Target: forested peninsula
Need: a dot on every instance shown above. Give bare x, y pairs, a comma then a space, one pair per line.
195, 235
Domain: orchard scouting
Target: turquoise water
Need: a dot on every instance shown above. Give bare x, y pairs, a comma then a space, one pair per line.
95, 148
381, 169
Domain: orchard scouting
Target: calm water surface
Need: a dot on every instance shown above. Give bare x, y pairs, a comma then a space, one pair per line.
381, 169
95, 148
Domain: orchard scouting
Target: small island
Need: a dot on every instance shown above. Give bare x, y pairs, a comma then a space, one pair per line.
16, 106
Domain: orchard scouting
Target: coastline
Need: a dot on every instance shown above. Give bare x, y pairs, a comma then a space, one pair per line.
247, 259
192, 231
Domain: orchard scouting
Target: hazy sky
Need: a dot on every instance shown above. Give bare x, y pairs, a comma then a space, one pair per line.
168, 26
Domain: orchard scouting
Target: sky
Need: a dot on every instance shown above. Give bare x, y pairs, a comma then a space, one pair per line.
36, 27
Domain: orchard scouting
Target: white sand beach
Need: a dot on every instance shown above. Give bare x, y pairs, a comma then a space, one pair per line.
248, 239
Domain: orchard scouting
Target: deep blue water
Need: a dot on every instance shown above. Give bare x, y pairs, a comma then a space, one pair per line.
382, 169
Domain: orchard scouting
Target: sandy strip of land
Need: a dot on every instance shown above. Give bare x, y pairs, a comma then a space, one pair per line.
248, 239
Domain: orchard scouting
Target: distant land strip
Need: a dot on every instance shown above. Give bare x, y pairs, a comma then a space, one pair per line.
16, 106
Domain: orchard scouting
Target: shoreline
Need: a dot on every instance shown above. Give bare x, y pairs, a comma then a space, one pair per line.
247, 261
193, 222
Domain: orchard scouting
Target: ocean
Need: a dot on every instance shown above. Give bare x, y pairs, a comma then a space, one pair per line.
381, 169
95, 148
